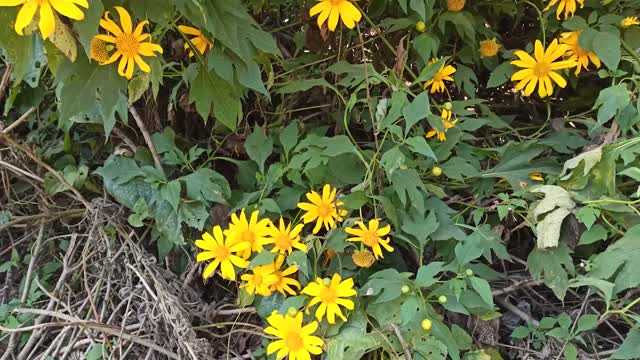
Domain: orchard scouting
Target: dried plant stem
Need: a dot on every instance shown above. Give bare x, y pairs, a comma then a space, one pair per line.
147, 137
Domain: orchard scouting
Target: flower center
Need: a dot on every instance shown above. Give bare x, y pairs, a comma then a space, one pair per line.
248, 236
438, 76
294, 341
369, 238
221, 253
127, 44
542, 69
283, 241
323, 209
328, 295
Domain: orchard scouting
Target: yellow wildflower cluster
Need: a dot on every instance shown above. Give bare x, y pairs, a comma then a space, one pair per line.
231, 250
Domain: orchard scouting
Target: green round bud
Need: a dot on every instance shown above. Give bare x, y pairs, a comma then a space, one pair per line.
421, 26
436, 171
292, 312
405, 289
326, 281
468, 272
448, 105
442, 299
426, 324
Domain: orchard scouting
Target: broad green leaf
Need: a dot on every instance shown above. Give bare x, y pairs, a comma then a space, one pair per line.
587, 215
426, 44
64, 40
207, 185
352, 342
386, 285
459, 169
630, 347
171, 193
501, 74
553, 265
482, 287
87, 28
259, 147
610, 101
619, 261
605, 288
419, 145
265, 305
210, 92
289, 137
518, 162
263, 258
594, 234
417, 110
586, 322
607, 47
570, 352
426, 275
420, 226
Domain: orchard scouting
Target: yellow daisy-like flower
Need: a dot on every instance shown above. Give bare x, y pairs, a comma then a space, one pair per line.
130, 44
293, 338
363, 259
331, 294
371, 236
284, 238
489, 48
253, 231
260, 281
99, 50
443, 74
335, 10
283, 283
629, 21
536, 176
577, 54
47, 17
446, 122
325, 209
198, 40
569, 7
541, 69
455, 5
222, 252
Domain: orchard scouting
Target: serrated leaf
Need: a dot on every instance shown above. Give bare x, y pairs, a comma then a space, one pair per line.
501, 74
426, 275
415, 111
207, 186
619, 261
419, 145
259, 147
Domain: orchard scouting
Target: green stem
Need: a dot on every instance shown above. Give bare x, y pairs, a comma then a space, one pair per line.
631, 52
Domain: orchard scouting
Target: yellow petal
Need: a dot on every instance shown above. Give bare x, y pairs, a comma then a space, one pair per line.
25, 15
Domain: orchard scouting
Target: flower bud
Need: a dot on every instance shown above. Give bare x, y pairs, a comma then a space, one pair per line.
436, 171
426, 324
421, 26
405, 289
442, 299
292, 312
468, 272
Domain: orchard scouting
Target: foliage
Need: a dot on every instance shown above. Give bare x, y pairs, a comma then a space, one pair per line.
472, 162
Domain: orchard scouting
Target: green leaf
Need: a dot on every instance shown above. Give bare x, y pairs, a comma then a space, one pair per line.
138, 86
289, 137
482, 242
171, 193
386, 285
607, 47
265, 305
352, 342
630, 345
611, 101
554, 265
587, 215
408, 185
209, 91
459, 169
97, 352
466, 79
207, 186
25, 52
426, 275
482, 287
619, 261
415, 111
419, 145
518, 162
259, 147
88, 27
570, 352
595, 234
586, 322
300, 259
420, 226
501, 74
194, 214
605, 288
520, 332
263, 258
426, 44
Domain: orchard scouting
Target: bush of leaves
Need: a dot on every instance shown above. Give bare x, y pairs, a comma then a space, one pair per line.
372, 176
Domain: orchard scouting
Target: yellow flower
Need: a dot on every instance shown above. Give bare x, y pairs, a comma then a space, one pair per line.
331, 295
99, 50
284, 283
260, 281
198, 40
577, 54
284, 238
363, 259
371, 236
293, 338
437, 81
215, 247
130, 44
569, 7
536, 176
334, 9
446, 122
325, 209
541, 70
489, 48
455, 5
47, 17
629, 21
252, 231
